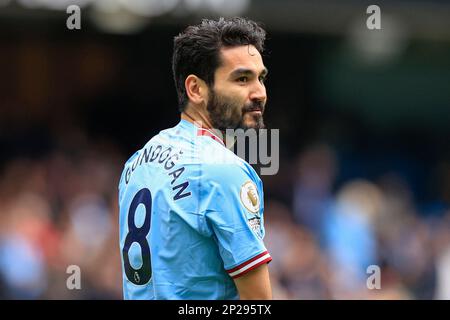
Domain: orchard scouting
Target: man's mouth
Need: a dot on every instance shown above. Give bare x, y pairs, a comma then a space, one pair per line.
254, 109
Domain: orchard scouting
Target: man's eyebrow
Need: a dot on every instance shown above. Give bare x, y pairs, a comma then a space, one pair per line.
244, 71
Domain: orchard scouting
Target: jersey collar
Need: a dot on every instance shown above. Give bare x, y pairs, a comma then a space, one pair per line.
200, 131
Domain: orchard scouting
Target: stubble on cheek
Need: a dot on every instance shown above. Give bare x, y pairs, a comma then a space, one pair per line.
232, 112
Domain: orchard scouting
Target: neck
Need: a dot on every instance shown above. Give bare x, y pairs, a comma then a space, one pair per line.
196, 117
202, 120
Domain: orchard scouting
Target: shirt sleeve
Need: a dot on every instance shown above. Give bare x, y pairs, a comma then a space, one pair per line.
234, 215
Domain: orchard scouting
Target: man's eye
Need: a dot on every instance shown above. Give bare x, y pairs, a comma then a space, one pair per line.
242, 79
262, 79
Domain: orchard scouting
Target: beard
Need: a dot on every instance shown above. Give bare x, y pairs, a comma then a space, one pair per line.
227, 113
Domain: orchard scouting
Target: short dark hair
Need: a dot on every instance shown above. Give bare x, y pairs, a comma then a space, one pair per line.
196, 49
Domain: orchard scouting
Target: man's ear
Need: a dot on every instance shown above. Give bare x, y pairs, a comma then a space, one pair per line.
196, 89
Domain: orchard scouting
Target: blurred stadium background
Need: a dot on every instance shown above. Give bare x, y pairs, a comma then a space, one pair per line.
364, 132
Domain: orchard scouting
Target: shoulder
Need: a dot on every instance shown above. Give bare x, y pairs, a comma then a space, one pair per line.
227, 182
222, 165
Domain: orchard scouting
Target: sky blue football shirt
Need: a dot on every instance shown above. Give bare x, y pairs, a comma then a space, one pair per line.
191, 218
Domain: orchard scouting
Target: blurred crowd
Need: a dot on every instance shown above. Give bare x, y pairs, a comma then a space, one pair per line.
60, 209
333, 244
57, 211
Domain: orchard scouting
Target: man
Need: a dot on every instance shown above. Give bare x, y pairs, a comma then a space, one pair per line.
191, 211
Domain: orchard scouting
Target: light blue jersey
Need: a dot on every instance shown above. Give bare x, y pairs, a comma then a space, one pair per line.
191, 218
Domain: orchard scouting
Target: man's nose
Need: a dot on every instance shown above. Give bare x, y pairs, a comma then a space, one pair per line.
258, 92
